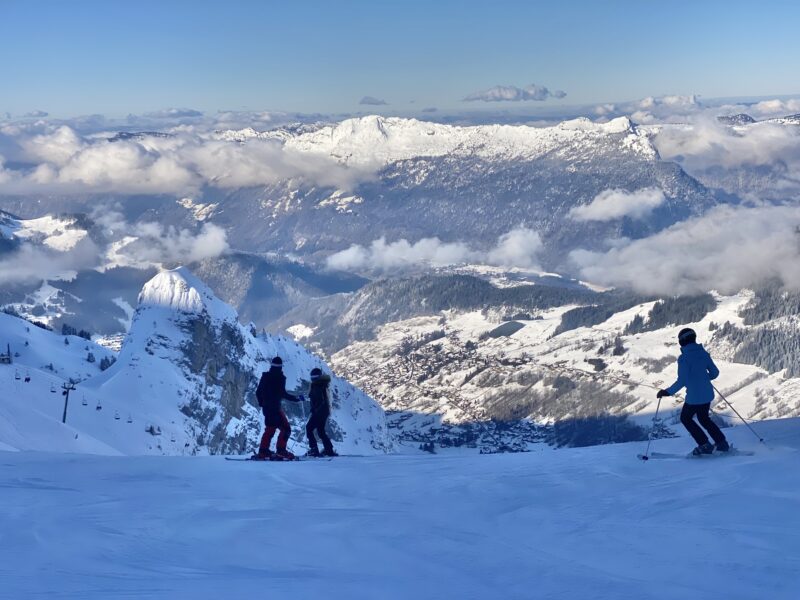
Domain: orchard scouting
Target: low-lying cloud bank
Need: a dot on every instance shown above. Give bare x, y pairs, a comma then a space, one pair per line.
512, 93
758, 162
150, 243
58, 159
517, 248
707, 143
727, 249
139, 244
680, 109
615, 204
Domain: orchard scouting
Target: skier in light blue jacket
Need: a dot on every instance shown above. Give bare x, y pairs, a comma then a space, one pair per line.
695, 372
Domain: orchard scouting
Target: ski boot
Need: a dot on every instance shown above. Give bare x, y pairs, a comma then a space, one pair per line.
329, 452
313, 452
722, 446
262, 455
703, 449
283, 455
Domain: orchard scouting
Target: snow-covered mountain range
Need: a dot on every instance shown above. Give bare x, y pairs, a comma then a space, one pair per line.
438, 350
410, 179
459, 183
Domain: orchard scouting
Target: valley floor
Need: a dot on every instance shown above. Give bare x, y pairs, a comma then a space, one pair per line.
586, 523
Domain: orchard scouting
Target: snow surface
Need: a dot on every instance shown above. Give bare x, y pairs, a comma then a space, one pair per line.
53, 232
593, 523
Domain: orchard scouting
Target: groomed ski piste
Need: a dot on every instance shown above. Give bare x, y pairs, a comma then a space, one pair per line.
591, 523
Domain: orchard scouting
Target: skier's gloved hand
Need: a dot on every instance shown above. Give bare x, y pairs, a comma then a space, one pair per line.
662, 393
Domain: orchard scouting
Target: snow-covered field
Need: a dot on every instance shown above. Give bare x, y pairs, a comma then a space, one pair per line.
580, 524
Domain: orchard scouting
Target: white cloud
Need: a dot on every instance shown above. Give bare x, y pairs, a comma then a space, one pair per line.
707, 143
604, 109
727, 249
156, 244
174, 113
138, 244
63, 161
31, 263
517, 248
654, 109
511, 93
372, 101
56, 146
383, 256
776, 107
615, 204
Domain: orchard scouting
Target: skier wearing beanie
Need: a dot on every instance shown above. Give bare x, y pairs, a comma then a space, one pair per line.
695, 372
320, 411
271, 390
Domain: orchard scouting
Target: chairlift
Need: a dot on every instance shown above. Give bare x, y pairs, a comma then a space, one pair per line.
16, 375
130, 418
27, 376
99, 406
84, 402
116, 415
52, 388
172, 438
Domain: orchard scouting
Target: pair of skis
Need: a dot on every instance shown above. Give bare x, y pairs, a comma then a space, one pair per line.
660, 455
295, 459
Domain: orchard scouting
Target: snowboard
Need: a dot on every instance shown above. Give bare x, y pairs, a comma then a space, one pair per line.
732, 452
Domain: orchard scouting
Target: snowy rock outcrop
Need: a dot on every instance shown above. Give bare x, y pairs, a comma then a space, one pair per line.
188, 362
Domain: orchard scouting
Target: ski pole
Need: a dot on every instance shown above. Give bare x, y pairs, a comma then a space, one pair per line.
646, 455
750, 427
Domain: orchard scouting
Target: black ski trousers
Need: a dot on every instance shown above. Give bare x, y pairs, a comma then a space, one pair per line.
318, 422
701, 411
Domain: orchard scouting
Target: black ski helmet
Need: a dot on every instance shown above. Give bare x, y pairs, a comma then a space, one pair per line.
687, 336
316, 373
277, 362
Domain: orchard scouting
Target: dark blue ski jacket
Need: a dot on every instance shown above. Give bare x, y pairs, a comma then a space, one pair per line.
695, 372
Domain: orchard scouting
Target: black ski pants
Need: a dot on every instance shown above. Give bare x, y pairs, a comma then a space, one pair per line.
318, 422
688, 413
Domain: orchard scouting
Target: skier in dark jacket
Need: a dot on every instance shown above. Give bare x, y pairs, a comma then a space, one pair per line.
270, 392
695, 372
320, 411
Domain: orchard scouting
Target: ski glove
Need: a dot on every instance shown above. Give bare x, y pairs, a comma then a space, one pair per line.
662, 393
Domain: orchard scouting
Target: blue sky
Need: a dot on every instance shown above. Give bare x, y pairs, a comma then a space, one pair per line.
115, 58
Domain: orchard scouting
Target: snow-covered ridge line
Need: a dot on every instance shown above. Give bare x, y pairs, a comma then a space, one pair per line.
371, 139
